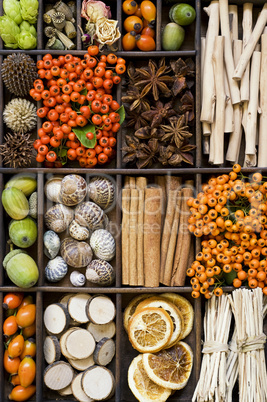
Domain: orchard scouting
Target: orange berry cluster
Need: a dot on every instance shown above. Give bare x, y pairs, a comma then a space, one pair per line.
231, 215
75, 93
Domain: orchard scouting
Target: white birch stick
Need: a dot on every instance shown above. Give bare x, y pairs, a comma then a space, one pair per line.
254, 37
228, 54
218, 65
229, 110
208, 96
212, 142
235, 137
253, 104
262, 149
247, 29
233, 22
206, 130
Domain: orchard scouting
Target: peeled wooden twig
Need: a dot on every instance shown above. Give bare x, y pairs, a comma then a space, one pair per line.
253, 104
235, 137
247, 29
206, 130
262, 149
212, 142
254, 37
233, 22
218, 65
229, 111
208, 96
133, 279
125, 206
228, 54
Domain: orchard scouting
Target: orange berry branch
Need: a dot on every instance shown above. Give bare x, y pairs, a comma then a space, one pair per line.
230, 215
82, 117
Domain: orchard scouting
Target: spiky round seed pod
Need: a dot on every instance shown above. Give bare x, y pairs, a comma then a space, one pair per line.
20, 115
18, 73
17, 150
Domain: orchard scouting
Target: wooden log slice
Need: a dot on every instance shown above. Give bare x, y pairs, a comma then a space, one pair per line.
56, 318
80, 344
100, 331
58, 375
76, 307
104, 351
52, 352
98, 383
82, 364
62, 342
78, 392
100, 309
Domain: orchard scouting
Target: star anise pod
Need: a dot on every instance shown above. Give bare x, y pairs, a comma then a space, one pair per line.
177, 130
147, 153
131, 73
135, 119
145, 133
165, 153
158, 113
131, 148
182, 69
152, 79
136, 99
187, 101
182, 155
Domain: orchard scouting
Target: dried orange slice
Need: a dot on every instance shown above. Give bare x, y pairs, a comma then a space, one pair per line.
172, 310
186, 309
170, 368
150, 329
130, 308
141, 386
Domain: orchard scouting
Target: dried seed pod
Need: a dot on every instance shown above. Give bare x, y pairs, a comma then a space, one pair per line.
47, 17
65, 40
102, 191
70, 30
103, 244
75, 253
100, 272
77, 278
54, 43
78, 232
58, 217
72, 5
50, 32
66, 10
20, 115
73, 190
59, 20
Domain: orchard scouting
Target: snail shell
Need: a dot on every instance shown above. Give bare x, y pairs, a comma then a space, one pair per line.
77, 278
100, 272
103, 244
75, 253
77, 231
56, 269
52, 188
102, 191
51, 244
58, 217
89, 214
73, 190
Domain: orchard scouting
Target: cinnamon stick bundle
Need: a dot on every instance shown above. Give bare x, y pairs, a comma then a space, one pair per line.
180, 264
141, 183
125, 205
152, 232
133, 276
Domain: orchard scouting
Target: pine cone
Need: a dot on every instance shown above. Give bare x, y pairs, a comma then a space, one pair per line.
18, 73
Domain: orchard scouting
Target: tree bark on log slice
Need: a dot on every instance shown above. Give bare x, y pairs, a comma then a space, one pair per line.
58, 375
52, 351
104, 351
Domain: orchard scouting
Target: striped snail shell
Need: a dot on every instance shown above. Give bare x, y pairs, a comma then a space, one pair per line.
89, 214
52, 188
77, 278
56, 269
103, 244
73, 190
51, 244
75, 253
77, 231
58, 217
100, 272
101, 190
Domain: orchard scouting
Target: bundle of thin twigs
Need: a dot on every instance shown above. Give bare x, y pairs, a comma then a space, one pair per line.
247, 307
212, 385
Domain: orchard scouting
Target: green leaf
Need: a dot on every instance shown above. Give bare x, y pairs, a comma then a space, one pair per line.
84, 91
121, 112
81, 135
